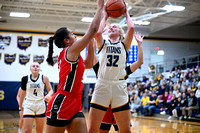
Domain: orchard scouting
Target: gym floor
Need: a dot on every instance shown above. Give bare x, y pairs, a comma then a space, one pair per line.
140, 124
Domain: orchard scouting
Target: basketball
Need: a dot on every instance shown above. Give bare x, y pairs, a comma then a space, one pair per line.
115, 8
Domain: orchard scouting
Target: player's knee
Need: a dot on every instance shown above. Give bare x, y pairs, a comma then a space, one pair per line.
93, 129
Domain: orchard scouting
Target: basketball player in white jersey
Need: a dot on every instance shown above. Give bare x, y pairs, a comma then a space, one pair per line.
111, 87
32, 100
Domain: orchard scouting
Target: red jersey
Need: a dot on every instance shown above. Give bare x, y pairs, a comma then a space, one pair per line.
109, 117
70, 75
66, 102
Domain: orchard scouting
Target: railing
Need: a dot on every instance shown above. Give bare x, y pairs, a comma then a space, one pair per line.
191, 61
160, 67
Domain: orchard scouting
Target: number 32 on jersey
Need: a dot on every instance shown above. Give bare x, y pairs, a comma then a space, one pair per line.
112, 60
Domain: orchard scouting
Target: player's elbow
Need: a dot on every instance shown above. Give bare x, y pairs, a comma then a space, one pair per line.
141, 62
98, 34
88, 65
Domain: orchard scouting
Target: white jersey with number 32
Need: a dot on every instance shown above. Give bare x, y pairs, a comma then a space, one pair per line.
112, 60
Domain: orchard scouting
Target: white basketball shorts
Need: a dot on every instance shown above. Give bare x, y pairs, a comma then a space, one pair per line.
34, 108
112, 93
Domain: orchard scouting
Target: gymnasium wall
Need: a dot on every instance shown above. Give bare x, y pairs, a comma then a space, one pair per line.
17, 53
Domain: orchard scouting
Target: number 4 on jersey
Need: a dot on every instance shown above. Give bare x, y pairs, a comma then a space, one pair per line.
35, 92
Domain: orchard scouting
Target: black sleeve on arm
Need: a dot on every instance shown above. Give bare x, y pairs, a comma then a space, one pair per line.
24, 82
128, 70
96, 68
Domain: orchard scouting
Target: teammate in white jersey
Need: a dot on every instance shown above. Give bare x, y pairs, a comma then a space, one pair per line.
32, 98
111, 87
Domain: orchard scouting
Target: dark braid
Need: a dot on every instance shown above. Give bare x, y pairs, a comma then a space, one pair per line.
50, 54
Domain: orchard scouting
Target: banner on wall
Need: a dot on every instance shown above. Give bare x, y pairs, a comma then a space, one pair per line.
42, 43
4, 41
39, 59
23, 43
8, 93
24, 59
9, 59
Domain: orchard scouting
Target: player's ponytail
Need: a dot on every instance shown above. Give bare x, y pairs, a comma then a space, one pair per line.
50, 53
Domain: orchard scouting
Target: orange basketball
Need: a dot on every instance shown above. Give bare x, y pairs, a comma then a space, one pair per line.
115, 8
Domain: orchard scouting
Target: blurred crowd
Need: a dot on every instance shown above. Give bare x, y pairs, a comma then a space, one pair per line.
176, 93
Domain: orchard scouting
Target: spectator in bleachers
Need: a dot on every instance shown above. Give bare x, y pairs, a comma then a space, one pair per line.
144, 101
190, 78
185, 82
130, 90
197, 94
192, 104
148, 83
135, 103
171, 85
183, 64
177, 111
158, 78
170, 107
162, 103
194, 70
177, 84
195, 81
166, 84
198, 75
178, 94
184, 104
188, 92
144, 79
168, 75
182, 74
184, 89
149, 108
162, 80
169, 98
178, 74
187, 73
162, 90
175, 89
197, 68
136, 91
193, 87
147, 92
176, 65
154, 83
131, 85
174, 78
141, 94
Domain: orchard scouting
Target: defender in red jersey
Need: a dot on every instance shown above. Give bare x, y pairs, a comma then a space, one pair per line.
64, 108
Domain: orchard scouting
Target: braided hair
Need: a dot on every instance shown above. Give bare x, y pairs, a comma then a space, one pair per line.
58, 38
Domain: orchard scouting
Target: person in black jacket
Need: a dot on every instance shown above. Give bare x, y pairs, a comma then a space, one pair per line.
171, 106
192, 104
177, 112
184, 104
